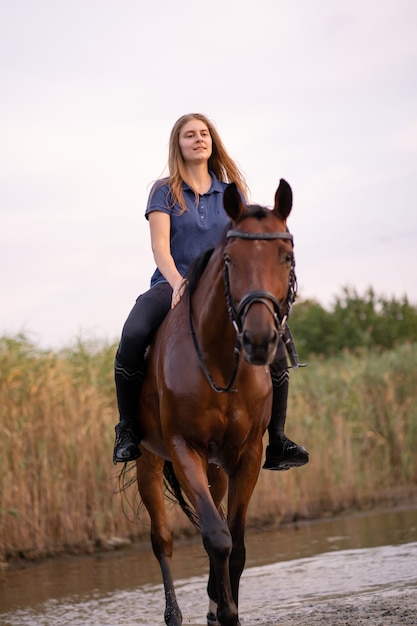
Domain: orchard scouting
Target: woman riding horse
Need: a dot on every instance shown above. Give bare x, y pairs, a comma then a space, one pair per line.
186, 217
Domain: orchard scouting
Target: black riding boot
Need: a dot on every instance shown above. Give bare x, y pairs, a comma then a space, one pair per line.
128, 384
281, 453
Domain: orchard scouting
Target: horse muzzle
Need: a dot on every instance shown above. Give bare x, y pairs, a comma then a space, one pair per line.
260, 327
259, 352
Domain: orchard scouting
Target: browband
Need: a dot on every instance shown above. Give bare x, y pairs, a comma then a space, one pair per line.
242, 235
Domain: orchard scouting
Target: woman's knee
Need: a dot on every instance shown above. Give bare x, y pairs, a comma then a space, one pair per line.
143, 321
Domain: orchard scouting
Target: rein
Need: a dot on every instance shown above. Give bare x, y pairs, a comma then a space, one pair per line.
237, 314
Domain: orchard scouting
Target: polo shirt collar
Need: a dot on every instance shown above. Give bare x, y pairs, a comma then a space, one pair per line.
216, 185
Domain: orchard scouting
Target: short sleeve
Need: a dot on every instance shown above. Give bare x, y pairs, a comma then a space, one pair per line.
159, 199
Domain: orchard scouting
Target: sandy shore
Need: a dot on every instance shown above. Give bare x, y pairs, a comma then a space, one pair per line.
371, 586
393, 608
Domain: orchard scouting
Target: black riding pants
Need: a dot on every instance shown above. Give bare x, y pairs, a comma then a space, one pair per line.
140, 327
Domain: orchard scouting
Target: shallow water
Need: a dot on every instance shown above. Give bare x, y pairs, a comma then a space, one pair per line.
291, 567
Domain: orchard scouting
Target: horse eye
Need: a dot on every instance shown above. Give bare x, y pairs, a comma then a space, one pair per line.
289, 258
226, 259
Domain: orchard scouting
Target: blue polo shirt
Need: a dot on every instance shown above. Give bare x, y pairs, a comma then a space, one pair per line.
195, 230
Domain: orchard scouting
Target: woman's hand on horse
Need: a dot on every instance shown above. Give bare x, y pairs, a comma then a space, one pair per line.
177, 292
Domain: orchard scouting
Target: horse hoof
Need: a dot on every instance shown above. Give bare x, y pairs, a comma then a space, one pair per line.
212, 619
173, 618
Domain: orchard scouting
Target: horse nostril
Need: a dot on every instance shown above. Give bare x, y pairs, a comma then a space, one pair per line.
274, 338
259, 349
246, 340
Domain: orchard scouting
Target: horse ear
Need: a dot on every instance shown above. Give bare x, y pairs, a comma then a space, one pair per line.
232, 202
283, 200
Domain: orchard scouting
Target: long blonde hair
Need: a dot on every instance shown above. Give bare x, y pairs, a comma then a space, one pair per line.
220, 163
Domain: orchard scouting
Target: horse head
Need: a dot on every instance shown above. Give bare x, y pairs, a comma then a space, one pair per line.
259, 272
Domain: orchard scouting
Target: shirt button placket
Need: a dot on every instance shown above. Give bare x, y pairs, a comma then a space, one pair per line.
202, 210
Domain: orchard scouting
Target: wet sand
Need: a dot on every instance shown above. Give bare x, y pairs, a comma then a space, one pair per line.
394, 608
375, 586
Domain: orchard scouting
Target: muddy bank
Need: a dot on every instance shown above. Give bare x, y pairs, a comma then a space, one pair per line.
394, 608
376, 586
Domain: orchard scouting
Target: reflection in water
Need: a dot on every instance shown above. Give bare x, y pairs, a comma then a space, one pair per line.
124, 587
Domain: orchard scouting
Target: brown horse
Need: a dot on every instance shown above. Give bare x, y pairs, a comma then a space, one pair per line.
206, 399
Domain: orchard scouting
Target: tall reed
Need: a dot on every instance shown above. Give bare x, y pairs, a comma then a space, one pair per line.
357, 415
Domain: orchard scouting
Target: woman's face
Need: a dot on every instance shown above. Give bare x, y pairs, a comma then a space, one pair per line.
195, 142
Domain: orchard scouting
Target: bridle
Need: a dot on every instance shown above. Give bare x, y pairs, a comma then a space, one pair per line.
238, 313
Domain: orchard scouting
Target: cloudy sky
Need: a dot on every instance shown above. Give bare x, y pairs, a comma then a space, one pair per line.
320, 92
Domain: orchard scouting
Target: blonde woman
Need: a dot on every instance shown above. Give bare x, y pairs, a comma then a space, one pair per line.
186, 218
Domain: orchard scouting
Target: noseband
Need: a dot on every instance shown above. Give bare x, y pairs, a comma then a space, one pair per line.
237, 313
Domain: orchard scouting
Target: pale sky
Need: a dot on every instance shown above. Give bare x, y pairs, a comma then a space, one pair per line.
320, 92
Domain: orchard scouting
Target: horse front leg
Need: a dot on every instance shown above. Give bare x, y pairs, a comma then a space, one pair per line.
241, 486
191, 470
218, 488
218, 544
150, 482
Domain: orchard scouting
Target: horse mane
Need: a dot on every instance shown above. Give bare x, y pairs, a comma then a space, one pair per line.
196, 269
254, 210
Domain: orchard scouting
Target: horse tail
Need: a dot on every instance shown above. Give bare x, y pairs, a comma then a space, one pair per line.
174, 493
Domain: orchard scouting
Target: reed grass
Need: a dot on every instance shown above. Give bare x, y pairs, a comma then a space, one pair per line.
357, 415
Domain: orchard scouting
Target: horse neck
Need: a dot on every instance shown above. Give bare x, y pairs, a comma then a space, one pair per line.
209, 307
